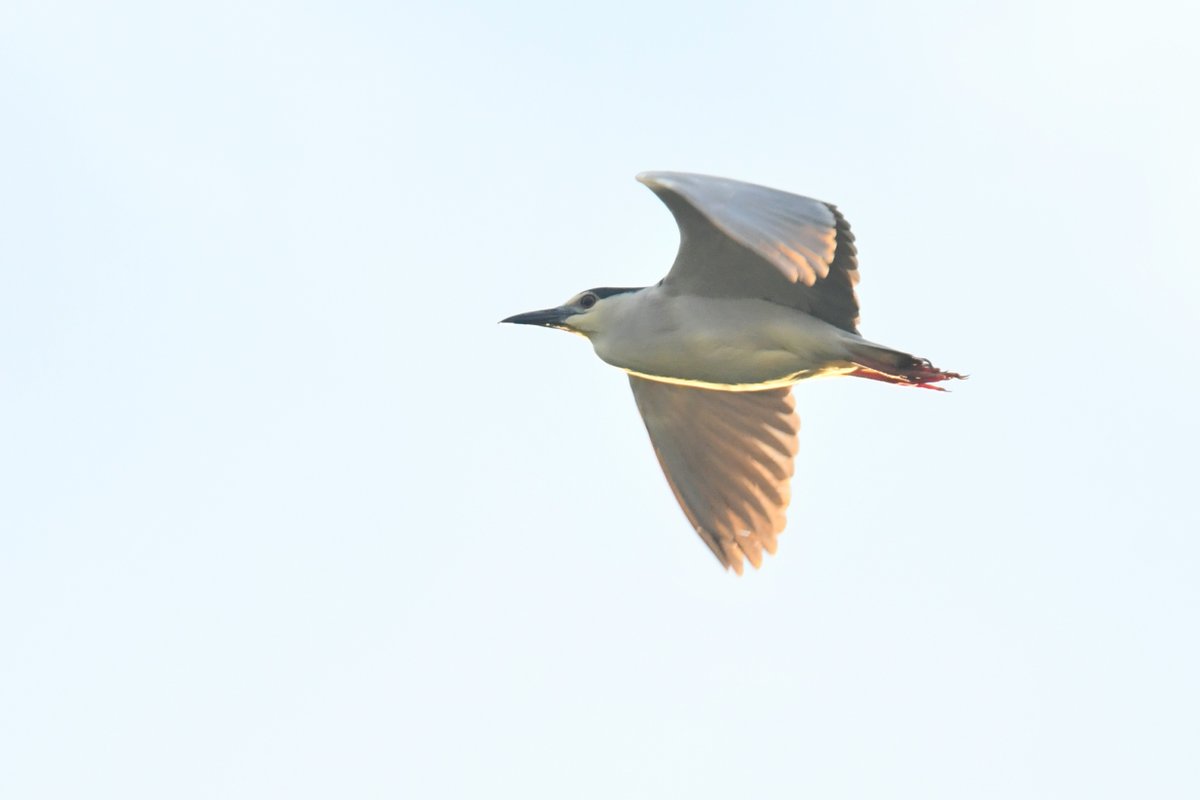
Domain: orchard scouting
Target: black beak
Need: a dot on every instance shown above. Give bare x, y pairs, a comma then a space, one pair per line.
547, 317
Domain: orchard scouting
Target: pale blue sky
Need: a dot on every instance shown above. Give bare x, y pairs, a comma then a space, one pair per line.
285, 513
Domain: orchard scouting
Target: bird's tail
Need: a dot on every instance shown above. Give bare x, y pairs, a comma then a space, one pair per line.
893, 366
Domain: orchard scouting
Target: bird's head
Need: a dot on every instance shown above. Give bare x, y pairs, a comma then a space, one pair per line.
585, 313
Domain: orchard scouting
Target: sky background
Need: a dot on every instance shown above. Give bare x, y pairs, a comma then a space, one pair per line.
285, 513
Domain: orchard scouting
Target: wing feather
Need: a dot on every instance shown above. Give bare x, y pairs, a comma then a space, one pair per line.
742, 240
729, 459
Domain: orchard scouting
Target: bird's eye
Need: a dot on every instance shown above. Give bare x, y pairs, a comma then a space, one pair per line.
588, 300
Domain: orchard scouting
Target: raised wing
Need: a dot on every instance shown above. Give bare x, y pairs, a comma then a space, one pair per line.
742, 240
728, 457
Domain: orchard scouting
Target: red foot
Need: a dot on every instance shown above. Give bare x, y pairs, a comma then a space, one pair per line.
922, 375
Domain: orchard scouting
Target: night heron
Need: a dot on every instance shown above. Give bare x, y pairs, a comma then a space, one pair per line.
761, 295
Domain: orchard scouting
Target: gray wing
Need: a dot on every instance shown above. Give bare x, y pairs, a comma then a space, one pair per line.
728, 457
742, 240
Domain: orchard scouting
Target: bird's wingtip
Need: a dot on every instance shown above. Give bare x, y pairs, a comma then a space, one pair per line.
655, 178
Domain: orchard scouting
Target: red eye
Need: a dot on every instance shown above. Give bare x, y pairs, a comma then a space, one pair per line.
587, 301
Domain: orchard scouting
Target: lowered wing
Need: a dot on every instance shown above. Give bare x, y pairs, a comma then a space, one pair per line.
728, 457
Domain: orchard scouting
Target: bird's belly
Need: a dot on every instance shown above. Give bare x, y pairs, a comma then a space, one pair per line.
750, 346
750, 385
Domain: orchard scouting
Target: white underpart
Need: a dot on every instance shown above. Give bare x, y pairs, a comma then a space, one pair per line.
726, 343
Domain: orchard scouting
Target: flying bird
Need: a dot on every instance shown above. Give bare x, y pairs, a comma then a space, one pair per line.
761, 296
